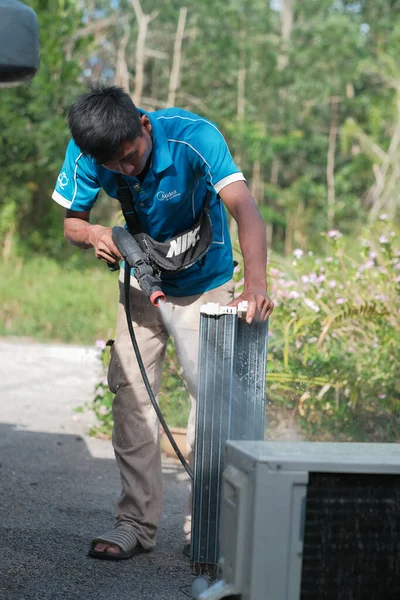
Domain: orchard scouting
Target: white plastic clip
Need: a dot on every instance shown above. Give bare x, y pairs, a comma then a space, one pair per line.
242, 309
213, 308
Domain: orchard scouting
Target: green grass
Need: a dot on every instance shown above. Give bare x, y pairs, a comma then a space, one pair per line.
47, 301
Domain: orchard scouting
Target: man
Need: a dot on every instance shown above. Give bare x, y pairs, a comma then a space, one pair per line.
170, 159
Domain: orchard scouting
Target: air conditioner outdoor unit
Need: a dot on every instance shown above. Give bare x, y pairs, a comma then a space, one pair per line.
309, 521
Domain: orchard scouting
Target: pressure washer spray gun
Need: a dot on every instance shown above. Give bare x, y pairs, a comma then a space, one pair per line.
143, 271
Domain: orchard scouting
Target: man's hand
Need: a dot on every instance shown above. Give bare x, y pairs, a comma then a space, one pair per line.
104, 248
237, 198
79, 231
260, 304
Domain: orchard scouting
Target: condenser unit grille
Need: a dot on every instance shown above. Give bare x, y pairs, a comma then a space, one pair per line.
351, 537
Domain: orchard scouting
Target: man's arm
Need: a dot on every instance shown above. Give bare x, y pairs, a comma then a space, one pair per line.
79, 232
237, 198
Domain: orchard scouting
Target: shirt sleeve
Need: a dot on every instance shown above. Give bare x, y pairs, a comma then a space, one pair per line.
209, 156
77, 186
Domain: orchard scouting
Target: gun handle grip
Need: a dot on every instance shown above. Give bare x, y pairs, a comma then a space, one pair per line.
113, 266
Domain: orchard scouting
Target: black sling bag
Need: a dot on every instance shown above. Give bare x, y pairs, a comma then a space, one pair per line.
177, 253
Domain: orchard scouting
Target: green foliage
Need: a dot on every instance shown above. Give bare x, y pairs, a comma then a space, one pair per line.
173, 398
334, 347
101, 403
33, 128
174, 395
48, 301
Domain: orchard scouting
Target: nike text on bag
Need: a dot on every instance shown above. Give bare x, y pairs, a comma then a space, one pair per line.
183, 242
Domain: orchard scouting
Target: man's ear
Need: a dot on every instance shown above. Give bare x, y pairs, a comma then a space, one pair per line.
146, 123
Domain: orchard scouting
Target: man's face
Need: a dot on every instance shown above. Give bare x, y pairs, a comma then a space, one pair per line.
133, 156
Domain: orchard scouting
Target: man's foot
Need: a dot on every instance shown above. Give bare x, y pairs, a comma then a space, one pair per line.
118, 544
103, 547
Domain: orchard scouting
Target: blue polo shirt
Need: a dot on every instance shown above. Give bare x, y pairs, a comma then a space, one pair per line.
189, 157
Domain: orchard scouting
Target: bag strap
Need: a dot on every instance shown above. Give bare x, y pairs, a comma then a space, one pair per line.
125, 199
207, 199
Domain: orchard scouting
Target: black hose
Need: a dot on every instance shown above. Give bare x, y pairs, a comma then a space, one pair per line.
127, 283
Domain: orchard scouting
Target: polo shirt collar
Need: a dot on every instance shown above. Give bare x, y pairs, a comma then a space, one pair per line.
161, 156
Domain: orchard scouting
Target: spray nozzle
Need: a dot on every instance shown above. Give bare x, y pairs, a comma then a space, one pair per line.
156, 297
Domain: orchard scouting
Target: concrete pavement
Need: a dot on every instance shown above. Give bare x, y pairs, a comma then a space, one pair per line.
58, 488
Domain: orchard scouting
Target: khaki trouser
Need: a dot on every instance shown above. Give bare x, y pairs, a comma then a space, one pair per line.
136, 427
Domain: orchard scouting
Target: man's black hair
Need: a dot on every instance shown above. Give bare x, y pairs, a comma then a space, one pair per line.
101, 120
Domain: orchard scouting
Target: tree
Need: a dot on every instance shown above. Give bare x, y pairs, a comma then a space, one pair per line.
34, 131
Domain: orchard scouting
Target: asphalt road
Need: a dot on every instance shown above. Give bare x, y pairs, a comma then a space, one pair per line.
58, 488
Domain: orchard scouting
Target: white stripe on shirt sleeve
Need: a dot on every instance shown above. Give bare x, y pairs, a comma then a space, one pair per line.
61, 200
227, 180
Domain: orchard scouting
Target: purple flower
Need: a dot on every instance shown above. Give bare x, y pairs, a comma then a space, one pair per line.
341, 300
100, 344
334, 234
368, 265
383, 239
313, 277
382, 396
298, 253
383, 217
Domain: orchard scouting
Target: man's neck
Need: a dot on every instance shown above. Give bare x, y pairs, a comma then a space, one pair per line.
143, 174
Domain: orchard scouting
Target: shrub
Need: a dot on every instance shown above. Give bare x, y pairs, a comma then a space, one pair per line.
101, 404
173, 399
334, 345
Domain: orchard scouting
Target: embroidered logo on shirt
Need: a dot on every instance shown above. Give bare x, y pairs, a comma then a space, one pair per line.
63, 179
183, 242
165, 196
